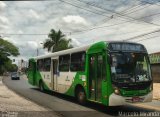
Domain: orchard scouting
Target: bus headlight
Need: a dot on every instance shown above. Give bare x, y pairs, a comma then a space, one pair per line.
151, 87
116, 90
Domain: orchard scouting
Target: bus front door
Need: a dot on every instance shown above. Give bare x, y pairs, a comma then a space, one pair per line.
32, 72
55, 73
96, 75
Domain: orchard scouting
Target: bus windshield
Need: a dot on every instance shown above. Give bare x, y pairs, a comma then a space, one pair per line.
129, 67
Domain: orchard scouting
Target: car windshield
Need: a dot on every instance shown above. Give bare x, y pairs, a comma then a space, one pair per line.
130, 67
14, 73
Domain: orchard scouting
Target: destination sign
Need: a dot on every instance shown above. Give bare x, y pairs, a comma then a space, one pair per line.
126, 47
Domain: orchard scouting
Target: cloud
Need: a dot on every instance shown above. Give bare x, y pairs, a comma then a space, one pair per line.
32, 44
152, 45
33, 14
28, 49
67, 23
2, 5
149, 11
75, 42
4, 23
40, 16
3, 27
20, 32
4, 20
75, 19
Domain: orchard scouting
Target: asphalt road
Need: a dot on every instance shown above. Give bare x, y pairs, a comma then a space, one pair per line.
66, 106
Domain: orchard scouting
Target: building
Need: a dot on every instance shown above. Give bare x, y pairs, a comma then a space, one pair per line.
155, 65
22, 65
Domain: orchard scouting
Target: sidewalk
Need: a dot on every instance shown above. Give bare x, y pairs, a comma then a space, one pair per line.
156, 91
11, 103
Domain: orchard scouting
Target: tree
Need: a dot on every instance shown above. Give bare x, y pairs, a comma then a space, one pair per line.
10, 67
56, 41
7, 49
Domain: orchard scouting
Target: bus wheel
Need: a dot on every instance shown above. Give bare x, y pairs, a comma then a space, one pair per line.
81, 96
41, 86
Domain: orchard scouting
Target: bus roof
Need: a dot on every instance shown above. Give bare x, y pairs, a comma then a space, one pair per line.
77, 49
63, 52
123, 42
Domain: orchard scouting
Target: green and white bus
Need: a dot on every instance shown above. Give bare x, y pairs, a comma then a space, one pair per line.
110, 73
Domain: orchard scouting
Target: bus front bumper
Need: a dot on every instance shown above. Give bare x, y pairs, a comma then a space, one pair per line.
117, 100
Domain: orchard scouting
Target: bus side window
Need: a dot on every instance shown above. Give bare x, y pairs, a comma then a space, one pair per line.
77, 61
30, 66
64, 62
47, 64
40, 65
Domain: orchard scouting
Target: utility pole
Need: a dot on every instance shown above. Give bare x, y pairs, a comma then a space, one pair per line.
37, 52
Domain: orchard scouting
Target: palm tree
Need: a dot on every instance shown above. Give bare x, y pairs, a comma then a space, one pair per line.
56, 41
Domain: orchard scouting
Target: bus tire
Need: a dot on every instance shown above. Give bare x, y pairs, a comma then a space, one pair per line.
41, 85
81, 96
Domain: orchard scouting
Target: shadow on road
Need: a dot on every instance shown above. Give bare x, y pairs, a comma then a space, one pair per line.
111, 110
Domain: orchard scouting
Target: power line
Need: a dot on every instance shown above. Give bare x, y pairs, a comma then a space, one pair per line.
150, 3
102, 8
148, 38
28, 34
21, 34
126, 10
120, 15
108, 25
99, 27
83, 8
108, 17
138, 9
90, 28
130, 8
85, 29
137, 6
104, 20
142, 35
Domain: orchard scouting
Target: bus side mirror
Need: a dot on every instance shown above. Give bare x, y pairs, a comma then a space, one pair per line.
109, 59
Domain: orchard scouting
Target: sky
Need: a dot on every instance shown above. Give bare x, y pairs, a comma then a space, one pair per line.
84, 21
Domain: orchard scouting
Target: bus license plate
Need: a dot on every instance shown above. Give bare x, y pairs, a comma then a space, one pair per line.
136, 99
